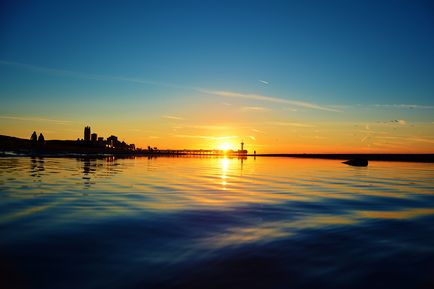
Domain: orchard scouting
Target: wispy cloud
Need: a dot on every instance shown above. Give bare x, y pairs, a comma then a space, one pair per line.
63, 72
405, 106
420, 139
263, 81
76, 74
30, 118
267, 98
205, 127
257, 130
293, 124
394, 122
172, 117
400, 121
289, 109
254, 108
252, 137
406, 139
364, 138
205, 136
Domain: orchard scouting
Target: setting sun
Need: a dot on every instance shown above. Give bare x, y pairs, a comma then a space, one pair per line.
225, 146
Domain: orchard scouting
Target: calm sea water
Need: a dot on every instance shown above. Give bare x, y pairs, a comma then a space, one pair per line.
215, 223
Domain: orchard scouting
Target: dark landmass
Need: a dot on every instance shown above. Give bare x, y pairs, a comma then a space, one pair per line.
54, 147
424, 158
10, 146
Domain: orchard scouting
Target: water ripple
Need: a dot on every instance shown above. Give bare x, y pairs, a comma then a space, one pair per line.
180, 222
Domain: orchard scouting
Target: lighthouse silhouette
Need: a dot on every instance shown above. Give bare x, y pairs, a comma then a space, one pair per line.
242, 152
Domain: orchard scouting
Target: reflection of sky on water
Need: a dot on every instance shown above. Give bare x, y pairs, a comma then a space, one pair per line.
173, 213
112, 187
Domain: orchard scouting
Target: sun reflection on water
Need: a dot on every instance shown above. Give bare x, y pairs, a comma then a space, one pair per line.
224, 170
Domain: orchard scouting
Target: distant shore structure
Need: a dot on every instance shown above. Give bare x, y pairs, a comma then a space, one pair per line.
92, 140
87, 133
201, 152
242, 151
93, 137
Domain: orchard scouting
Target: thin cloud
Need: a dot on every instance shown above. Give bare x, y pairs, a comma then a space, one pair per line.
419, 139
63, 72
252, 137
172, 117
267, 98
293, 124
257, 130
290, 109
76, 74
206, 127
400, 139
405, 106
264, 82
254, 108
42, 119
400, 121
395, 121
205, 136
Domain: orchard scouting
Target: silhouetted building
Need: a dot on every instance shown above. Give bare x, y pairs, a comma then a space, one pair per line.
112, 141
93, 137
101, 142
87, 133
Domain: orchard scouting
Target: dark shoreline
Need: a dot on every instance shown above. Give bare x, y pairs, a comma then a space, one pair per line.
420, 158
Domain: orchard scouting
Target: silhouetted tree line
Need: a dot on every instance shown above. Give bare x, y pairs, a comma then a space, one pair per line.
37, 142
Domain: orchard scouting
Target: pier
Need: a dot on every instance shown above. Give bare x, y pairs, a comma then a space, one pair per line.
202, 152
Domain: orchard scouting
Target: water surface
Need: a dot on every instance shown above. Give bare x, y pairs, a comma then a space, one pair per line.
215, 223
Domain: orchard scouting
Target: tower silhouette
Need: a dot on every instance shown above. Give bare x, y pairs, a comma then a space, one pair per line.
87, 133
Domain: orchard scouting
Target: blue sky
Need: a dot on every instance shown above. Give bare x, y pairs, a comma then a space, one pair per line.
60, 57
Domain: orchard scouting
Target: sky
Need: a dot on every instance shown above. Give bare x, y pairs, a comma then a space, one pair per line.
282, 76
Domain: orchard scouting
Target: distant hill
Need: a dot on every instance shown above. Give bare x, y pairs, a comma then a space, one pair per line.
13, 143
10, 138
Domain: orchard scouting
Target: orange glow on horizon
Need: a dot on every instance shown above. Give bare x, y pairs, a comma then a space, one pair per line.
206, 132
